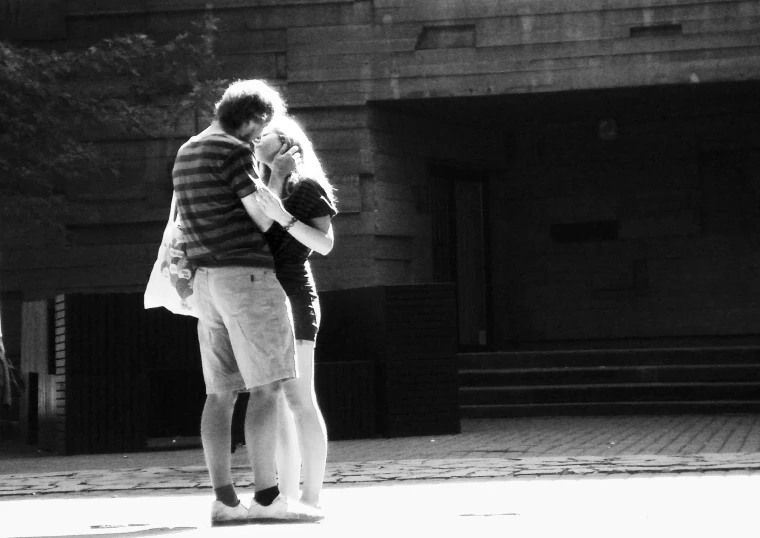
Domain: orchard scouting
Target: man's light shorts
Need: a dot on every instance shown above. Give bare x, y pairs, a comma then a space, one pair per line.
245, 328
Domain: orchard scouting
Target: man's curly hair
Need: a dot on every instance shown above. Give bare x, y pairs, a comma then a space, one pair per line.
246, 100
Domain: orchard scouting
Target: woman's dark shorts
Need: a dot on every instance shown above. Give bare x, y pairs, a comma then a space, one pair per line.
304, 303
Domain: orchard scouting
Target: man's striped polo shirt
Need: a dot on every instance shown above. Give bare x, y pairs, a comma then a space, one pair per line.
211, 174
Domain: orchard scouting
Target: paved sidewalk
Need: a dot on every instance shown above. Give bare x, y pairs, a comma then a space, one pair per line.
519, 447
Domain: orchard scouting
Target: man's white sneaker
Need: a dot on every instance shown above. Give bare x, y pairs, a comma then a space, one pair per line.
221, 514
284, 508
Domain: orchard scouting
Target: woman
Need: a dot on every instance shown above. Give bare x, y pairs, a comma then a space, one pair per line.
302, 223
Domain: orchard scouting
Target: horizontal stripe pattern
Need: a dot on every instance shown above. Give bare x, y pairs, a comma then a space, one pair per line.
210, 176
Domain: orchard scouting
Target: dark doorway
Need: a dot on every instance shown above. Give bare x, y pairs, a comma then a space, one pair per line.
32, 435
459, 247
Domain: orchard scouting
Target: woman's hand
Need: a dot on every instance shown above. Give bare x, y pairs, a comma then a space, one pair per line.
271, 205
286, 160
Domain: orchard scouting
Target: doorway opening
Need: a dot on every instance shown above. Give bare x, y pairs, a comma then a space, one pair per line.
460, 248
32, 436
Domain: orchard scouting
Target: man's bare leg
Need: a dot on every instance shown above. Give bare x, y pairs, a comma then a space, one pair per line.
216, 427
260, 433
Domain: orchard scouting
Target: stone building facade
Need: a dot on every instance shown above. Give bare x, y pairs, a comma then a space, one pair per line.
586, 172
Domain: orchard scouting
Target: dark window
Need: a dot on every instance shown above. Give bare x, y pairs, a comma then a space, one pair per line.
585, 232
657, 30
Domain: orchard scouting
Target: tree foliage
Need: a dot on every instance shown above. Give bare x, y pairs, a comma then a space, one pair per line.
54, 104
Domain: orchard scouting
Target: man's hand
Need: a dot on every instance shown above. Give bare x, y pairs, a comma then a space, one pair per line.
286, 161
271, 205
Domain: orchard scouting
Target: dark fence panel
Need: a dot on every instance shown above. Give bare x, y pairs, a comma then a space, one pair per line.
385, 365
346, 396
106, 377
405, 337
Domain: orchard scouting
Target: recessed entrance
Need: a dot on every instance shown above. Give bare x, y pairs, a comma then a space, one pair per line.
459, 247
623, 216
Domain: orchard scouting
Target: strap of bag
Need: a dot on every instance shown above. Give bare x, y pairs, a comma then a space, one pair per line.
174, 211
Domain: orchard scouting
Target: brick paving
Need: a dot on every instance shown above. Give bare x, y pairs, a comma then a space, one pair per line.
570, 436
486, 449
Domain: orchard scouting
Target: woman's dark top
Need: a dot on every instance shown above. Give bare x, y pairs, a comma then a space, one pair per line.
305, 200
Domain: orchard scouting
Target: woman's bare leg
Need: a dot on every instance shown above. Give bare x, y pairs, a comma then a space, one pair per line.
312, 433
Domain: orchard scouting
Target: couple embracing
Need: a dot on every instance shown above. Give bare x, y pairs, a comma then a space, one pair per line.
254, 203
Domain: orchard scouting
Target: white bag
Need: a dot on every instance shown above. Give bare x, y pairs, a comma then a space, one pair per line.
171, 281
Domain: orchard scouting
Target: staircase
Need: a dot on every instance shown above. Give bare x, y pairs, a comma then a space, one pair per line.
609, 381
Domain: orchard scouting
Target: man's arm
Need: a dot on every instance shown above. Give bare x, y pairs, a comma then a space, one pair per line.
256, 213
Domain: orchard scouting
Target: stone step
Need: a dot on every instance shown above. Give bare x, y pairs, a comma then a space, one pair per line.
611, 357
608, 408
573, 375
610, 381
619, 392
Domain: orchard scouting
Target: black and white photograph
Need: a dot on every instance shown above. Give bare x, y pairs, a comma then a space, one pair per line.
326, 268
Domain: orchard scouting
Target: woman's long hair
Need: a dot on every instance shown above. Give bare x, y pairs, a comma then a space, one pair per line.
309, 167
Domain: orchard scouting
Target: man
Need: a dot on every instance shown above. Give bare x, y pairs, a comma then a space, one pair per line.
244, 326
